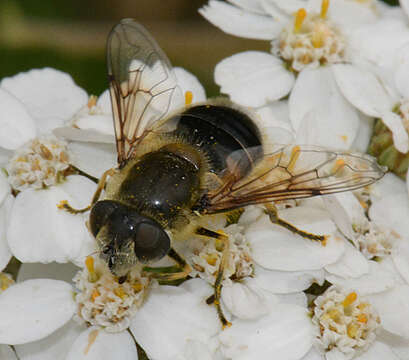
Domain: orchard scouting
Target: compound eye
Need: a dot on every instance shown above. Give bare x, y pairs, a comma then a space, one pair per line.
100, 214
151, 242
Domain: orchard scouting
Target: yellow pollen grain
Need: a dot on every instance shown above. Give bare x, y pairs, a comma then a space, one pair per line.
349, 299
352, 330
5, 282
92, 101
120, 292
188, 97
299, 19
94, 295
212, 259
344, 138
362, 318
324, 9
339, 164
318, 39
295, 154
89, 263
333, 314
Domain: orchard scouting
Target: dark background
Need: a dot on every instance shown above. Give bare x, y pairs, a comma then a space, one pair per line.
70, 36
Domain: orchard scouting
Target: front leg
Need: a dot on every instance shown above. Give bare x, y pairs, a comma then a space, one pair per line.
64, 205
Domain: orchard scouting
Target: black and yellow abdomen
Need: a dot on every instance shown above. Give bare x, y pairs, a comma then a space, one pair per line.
222, 132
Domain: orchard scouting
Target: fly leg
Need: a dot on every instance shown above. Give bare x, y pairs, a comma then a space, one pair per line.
272, 212
101, 184
180, 271
222, 241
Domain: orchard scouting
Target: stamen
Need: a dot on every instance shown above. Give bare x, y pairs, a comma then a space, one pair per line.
324, 8
95, 294
349, 299
295, 154
188, 97
299, 19
119, 291
339, 164
362, 318
92, 101
89, 263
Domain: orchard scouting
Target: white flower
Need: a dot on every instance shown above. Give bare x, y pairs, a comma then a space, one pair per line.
37, 316
320, 33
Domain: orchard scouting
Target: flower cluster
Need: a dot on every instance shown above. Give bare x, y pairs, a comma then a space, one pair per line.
320, 278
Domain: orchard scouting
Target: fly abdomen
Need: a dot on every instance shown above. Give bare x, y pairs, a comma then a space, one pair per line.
161, 184
223, 133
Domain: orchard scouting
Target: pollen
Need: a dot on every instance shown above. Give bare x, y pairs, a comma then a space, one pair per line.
344, 322
324, 9
295, 154
188, 97
38, 164
339, 164
299, 19
349, 299
89, 263
5, 281
92, 101
102, 302
310, 40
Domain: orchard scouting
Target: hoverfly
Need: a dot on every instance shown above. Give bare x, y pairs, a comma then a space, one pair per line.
203, 159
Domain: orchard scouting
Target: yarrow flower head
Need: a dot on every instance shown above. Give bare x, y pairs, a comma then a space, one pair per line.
103, 301
310, 40
207, 254
346, 323
39, 163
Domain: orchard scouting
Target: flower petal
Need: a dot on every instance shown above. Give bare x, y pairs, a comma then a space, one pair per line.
378, 351
238, 22
362, 89
253, 78
319, 113
53, 346
392, 212
399, 134
398, 344
93, 158
352, 264
33, 309
284, 282
377, 43
17, 126
276, 248
378, 279
402, 72
393, 306
50, 234
286, 333
50, 95
96, 344
189, 82
163, 331
5, 254
244, 301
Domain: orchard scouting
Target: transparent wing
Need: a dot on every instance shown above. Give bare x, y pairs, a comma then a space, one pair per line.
141, 83
293, 172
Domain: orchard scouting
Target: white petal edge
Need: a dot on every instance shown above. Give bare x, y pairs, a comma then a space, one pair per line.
189, 82
399, 134
51, 234
286, 333
17, 126
253, 78
33, 309
96, 344
235, 21
53, 346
